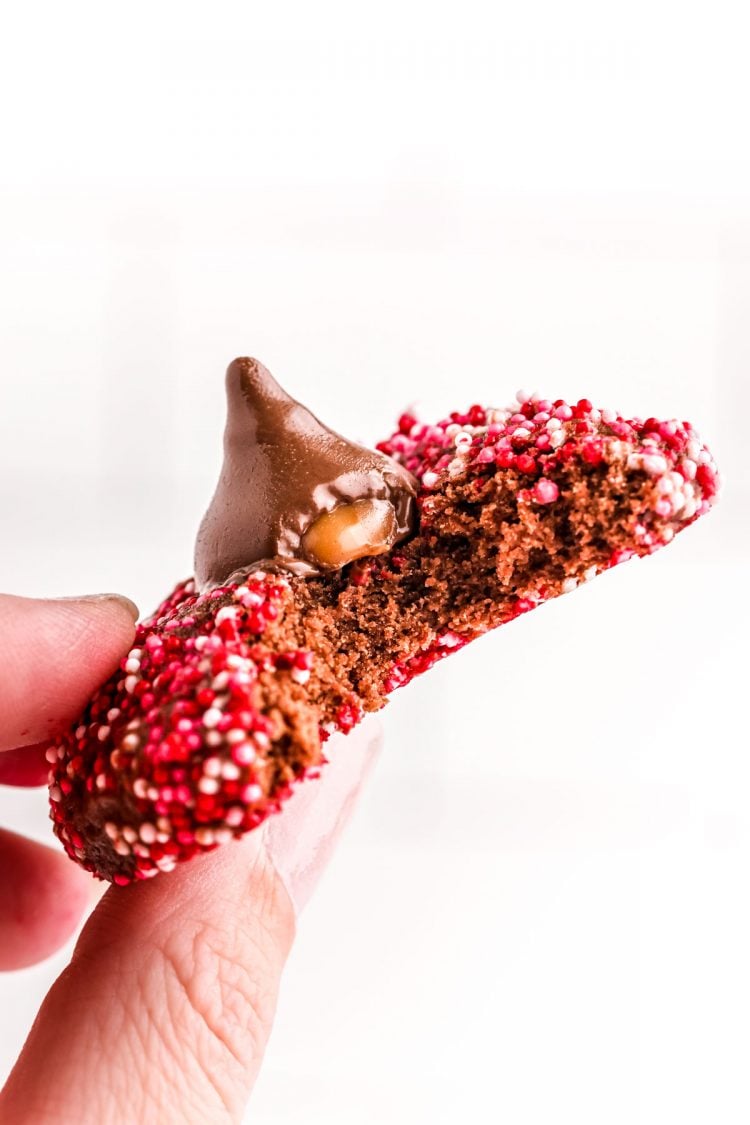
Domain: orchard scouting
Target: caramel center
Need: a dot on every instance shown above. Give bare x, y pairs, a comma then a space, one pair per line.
366, 527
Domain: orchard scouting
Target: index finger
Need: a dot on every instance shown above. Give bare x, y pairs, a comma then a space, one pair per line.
56, 653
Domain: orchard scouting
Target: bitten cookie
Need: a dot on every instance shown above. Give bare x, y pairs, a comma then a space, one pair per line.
327, 577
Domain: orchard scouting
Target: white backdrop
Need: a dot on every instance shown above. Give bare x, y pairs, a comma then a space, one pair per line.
541, 911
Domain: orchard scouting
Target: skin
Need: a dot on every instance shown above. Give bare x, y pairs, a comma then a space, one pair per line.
165, 1009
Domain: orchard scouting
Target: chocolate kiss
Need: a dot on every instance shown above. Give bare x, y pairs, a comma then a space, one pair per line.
282, 469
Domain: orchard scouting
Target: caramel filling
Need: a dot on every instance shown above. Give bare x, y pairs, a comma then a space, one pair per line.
366, 527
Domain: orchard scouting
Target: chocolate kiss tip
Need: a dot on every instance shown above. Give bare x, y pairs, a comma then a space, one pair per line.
254, 380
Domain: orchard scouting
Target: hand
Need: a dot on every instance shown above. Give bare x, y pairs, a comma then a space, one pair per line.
165, 1009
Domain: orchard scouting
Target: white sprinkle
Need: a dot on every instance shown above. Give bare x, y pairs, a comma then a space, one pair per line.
101, 781
132, 666
462, 438
204, 837
55, 794
103, 733
166, 863
244, 752
213, 738
556, 438
147, 832
208, 785
235, 735
51, 754
300, 675
553, 424
569, 584
80, 731
121, 847
112, 714
220, 682
212, 717
253, 793
608, 416
130, 683
112, 830
690, 468
665, 484
130, 742
429, 479
226, 613
234, 816
230, 771
589, 573
140, 788
130, 834
212, 767
262, 740
222, 835
162, 837
523, 396
521, 432
200, 643
152, 793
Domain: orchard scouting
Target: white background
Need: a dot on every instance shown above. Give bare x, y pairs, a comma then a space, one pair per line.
541, 911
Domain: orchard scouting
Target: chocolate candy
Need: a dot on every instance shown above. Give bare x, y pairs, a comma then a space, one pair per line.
293, 495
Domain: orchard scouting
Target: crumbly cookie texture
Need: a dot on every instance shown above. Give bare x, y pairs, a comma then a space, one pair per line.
227, 697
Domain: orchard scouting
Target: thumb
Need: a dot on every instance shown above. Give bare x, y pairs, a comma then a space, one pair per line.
165, 1010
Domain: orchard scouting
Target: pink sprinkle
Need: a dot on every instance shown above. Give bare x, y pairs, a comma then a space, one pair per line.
545, 491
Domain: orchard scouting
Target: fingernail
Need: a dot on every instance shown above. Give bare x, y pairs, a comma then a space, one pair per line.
126, 603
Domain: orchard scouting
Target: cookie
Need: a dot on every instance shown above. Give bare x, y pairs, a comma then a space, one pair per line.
343, 583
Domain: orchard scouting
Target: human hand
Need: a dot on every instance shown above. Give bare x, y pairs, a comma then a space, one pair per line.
165, 1009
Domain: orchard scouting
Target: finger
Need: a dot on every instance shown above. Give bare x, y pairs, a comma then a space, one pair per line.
42, 898
301, 841
171, 992
55, 654
26, 765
